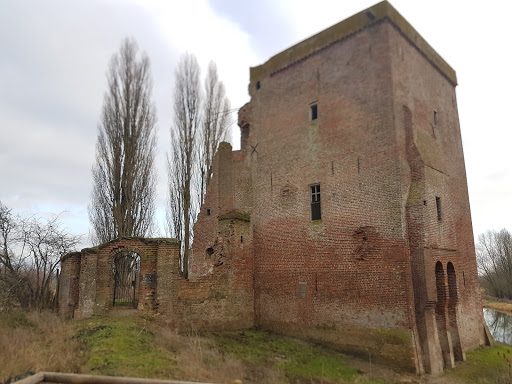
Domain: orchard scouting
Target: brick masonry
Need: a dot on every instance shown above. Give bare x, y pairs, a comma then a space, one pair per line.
390, 268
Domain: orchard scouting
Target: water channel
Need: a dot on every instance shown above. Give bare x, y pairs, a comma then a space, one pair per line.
500, 325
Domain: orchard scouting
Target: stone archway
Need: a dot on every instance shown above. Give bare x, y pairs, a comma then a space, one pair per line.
89, 276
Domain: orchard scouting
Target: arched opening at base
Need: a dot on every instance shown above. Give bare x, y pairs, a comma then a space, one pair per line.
126, 268
442, 328
452, 313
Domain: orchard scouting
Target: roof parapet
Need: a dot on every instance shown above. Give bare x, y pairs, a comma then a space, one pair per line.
382, 11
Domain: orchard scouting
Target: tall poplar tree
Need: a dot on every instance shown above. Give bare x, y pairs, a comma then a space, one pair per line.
182, 162
214, 127
200, 123
122, 201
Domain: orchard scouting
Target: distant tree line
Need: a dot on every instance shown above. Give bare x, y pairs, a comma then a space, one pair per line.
30, 253
494, 259
123, 196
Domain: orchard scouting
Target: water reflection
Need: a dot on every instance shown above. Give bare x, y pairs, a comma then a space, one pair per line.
500, 325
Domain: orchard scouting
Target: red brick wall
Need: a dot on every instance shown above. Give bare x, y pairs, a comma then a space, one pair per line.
96, 277
354, 264
440, 172
369, 265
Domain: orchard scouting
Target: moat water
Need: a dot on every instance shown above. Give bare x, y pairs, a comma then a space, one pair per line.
500, 325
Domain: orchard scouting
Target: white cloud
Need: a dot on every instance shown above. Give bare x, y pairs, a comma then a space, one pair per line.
55, 55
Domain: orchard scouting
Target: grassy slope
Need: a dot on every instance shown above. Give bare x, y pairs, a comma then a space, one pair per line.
123, 347
485, 366
134, 346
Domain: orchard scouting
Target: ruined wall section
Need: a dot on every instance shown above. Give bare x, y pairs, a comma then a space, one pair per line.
435, 176
344, 279
229, 191
69, 280
222, 299
96, 274
219, 291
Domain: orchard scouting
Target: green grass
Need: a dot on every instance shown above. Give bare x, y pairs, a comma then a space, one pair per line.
301, 362
485, 365
123, 347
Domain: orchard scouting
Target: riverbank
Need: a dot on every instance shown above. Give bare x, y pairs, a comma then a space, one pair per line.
497, 304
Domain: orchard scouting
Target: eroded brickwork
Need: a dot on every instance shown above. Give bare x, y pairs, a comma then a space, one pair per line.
365, 113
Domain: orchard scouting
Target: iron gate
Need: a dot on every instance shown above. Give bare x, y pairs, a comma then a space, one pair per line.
126, 279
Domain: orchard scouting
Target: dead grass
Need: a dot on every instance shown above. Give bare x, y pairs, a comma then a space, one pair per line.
36, 342
497, 304
199, 359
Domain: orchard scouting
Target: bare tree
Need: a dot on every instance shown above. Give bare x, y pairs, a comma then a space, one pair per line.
10, 266
7, 226
182, 161
44, 243
215, 125
30, 255
124, 178
494, 259
200, 123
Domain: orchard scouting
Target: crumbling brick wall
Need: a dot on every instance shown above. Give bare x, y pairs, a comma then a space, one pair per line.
69, 284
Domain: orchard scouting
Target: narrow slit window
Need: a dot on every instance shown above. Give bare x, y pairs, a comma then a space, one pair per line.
316, 212
208, 212
435, 117
314, 111
438, 205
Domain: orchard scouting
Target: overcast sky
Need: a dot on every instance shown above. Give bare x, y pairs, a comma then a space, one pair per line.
54, 56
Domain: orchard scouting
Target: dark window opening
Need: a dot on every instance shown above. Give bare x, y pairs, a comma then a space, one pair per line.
316, 212
210, 251
258, 85
208, 212
314, 111
438, 205
435, 117
370, 15
241, 239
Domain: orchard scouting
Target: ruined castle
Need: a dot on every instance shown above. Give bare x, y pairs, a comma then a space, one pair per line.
344, 218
